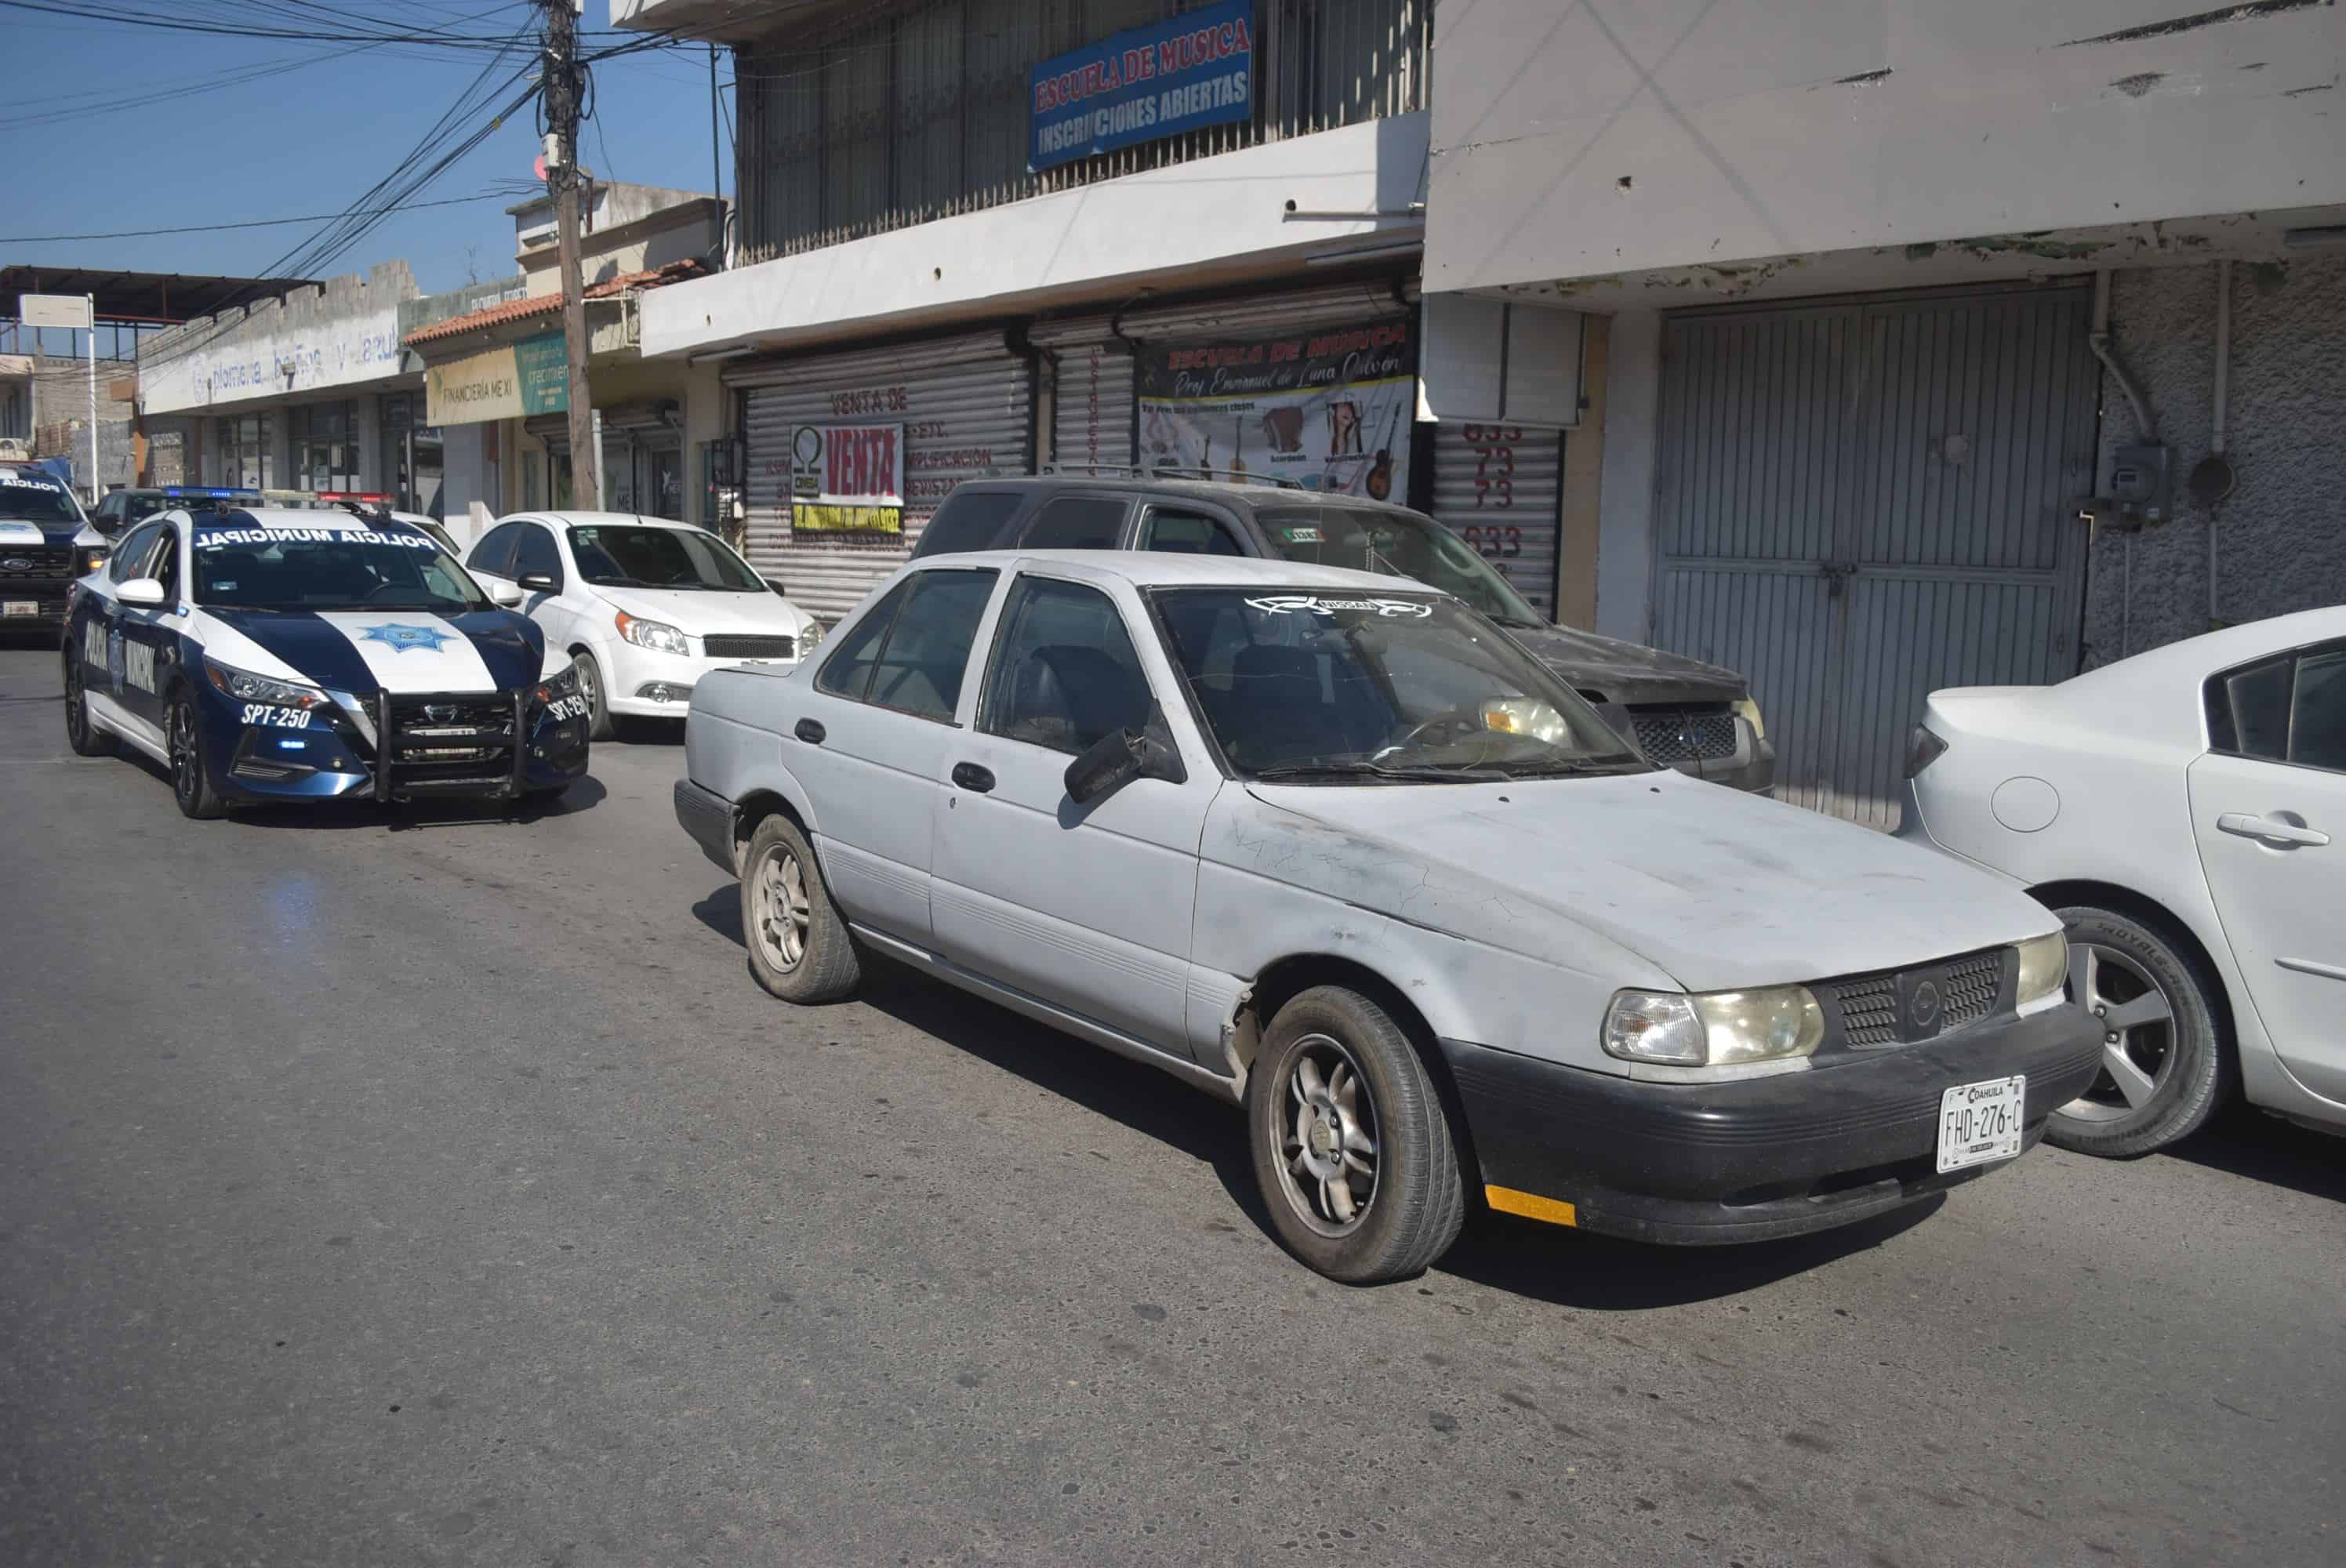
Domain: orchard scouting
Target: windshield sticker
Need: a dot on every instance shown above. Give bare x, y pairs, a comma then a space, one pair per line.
1313, 605
220, 538
36, 482
1301, 535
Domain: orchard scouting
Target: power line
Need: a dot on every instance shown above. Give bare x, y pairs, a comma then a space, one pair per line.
254, 223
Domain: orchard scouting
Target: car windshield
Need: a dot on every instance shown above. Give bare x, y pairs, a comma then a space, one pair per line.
138, 505
329, 569
639, 555
1315, 687
36, 501
1398, 545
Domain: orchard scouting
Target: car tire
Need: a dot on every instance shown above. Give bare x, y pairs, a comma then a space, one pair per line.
800, 946
599, 726
191, 779
2169, 1051
85, 738
1342, 1113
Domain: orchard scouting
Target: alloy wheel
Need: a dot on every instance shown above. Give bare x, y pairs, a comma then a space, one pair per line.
76, 706
590, 687
779, 907
1328, 1136
2137, 1022
179, 740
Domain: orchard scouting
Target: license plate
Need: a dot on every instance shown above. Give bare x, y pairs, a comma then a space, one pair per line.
1981, 1122
21, 607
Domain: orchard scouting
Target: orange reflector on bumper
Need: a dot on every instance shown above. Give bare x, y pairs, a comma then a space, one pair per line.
1531, 1206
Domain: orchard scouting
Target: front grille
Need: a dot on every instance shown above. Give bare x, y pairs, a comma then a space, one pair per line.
444, 736
749, 648
1868, 1003
40, 561
1669, 734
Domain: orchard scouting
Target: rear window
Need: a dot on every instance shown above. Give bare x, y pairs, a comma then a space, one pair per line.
969, 520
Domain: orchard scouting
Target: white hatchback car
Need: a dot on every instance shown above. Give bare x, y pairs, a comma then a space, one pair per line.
647, 606
1334, 847
2185, 810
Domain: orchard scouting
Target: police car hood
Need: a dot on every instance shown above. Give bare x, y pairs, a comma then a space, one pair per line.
16, 533
362, 651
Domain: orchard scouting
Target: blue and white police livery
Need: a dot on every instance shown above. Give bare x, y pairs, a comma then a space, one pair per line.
46, 543
266, 655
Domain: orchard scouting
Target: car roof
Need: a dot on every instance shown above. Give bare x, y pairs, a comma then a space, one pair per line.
272, 518
1231, 492
595, 519
1161, 569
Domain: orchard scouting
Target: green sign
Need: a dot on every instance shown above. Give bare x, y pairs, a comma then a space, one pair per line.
544, 373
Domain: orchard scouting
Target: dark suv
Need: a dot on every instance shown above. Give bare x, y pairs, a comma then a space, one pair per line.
1684, 714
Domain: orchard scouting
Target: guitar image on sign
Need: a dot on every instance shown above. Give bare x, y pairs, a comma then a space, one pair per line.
1379, 484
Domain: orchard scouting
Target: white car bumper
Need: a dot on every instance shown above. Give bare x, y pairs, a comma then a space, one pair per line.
647, 685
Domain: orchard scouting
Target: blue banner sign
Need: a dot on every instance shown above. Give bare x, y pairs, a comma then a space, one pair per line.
1197, 70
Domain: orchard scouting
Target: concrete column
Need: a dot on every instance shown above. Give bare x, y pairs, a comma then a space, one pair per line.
1633, 383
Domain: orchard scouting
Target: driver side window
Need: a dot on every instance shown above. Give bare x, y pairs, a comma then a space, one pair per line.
1064, 671
535, 556
494, 554
131, 560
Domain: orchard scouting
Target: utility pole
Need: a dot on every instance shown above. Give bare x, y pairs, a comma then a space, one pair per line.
563, 79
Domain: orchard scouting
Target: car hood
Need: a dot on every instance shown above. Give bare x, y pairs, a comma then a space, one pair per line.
1628, 672
365, 651
18, 534
1718, 889
702, 614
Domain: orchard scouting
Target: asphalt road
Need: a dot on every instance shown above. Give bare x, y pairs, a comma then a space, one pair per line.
421, 1187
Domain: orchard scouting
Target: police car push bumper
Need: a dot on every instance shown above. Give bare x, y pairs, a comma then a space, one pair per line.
396, 705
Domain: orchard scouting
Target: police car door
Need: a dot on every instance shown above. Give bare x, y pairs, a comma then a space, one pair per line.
150, 636
99, 639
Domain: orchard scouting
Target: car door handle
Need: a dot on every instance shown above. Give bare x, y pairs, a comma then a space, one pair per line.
808, 730
970, 775
2265, 828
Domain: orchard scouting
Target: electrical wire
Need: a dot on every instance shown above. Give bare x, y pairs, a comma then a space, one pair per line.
249, 223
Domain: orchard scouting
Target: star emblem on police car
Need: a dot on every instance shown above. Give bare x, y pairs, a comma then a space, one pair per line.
402, 637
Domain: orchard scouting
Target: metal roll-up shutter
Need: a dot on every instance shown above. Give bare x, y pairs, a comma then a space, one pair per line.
553, 429
1091, 406
1500, 487
967, 406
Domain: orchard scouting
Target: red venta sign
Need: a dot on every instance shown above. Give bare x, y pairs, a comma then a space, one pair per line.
847, 479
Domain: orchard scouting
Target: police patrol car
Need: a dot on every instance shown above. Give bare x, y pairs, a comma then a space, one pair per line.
265, 655
46, 543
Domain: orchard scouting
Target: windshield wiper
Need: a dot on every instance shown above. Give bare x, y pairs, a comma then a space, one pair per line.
1611, 762
1415, 774
1518, 623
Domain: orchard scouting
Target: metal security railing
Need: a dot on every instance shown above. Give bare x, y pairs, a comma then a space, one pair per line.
923, 114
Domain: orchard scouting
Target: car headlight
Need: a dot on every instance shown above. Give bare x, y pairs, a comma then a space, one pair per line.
811, 639
1923, 747
2044, 968
1716, 1029
562, 683
246, 686
656, 635
1746, 709
92, 558
1526, 716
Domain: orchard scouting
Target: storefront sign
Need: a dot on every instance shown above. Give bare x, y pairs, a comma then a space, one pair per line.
1329, 409
1196, 70
847, 479
508, 381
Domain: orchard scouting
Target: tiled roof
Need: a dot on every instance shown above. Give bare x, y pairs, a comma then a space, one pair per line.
546, 304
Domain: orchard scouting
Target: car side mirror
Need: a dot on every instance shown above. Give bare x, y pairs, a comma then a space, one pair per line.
141, 593
539, 583
503, 594
1121, 756
777, 587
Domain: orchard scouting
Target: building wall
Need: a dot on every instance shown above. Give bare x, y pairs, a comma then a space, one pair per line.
2280, 536
344, 334
1614, 136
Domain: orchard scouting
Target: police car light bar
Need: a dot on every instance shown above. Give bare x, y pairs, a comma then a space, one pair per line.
208, 493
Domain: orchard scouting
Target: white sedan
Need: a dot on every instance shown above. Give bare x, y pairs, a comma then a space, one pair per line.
647, 606
2185, 810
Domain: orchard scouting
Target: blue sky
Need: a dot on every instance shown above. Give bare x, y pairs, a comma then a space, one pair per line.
306, 140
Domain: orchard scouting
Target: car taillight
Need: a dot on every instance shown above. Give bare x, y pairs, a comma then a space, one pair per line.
1922, 749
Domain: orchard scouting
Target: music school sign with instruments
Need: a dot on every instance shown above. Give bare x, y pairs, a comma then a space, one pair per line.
1328, 408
